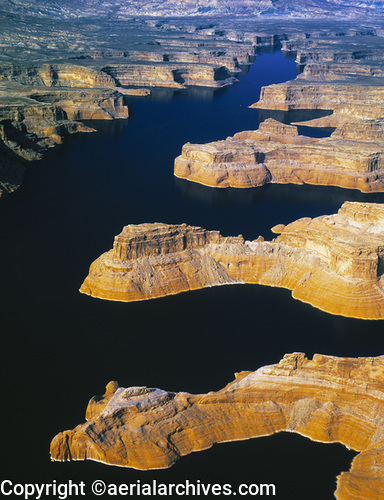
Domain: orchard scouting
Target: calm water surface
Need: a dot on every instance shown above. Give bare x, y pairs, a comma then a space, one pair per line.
60, 348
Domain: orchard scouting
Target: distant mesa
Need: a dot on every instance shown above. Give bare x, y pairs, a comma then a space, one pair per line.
334, 262
327, 399
124, 9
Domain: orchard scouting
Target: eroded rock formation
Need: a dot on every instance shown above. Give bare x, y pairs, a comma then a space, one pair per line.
65, 57
334, 263
326, 399
343, 76
275, 153
53, 74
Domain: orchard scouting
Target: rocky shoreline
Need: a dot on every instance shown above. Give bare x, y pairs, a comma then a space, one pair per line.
334, 263
340, 77
326, 399
55, 73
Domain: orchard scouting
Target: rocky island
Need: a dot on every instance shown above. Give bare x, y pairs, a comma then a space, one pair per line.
326, 399
334, 263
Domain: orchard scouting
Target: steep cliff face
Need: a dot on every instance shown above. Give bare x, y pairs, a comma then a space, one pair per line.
326, 399
275, 153
343, 76
52, 75
357, 97
164, 74
334, 263
55, 73
155, 260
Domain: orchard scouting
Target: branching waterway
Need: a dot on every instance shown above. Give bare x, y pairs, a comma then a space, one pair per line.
60, 347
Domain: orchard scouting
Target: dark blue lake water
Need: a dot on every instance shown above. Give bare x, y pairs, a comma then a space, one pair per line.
60, 348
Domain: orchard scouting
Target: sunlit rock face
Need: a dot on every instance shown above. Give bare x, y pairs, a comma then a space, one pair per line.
326, 399
334, 263
342, 75
275, 153
47, 114
54, 74
155, 260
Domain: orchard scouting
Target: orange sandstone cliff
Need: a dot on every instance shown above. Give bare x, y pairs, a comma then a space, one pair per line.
276, 153
334, 263
337, 79
326, 399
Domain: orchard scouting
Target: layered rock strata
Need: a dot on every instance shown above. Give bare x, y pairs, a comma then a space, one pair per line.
156, 260
326, 399
79, 54
334, 263
343, 76
169, 75
40, 117
53, 74
275, 153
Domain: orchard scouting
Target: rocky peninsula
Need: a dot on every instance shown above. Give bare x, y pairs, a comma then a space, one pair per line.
59, 67
56, 73
342, 76
334, 262
327, 399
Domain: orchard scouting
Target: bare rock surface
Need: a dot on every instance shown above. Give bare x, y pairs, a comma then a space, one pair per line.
342, 76
64, 51
334, 263
326, 399
55, 73
121, 9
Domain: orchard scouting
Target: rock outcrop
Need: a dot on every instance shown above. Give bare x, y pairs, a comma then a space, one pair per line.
155, 260
326, 399
53, 74
342, 75
45, 57
275, 153
334, 263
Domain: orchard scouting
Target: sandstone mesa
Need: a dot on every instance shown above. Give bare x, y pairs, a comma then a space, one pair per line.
326, 399
335, 263
55, 73
342, 76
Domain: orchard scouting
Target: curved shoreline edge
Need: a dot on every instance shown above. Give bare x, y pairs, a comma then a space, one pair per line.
334, 263
327, 399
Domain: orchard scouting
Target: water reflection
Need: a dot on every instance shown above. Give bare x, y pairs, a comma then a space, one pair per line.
296, 115
201, 93
290, 194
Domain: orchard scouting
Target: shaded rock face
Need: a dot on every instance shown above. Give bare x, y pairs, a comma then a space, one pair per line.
335, 262
170, 75
326, 399
47, 115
